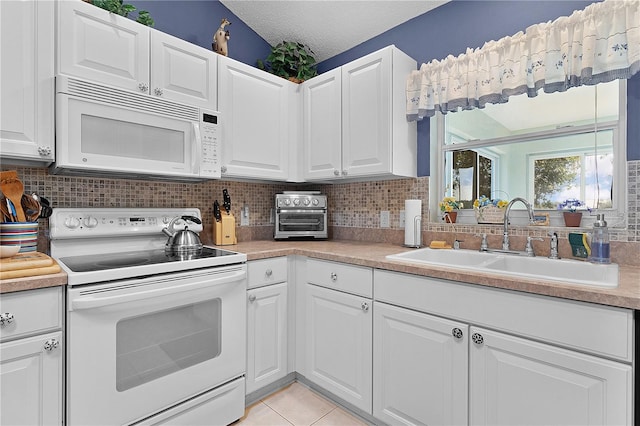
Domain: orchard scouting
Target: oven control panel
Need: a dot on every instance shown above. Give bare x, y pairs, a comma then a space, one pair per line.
76, 223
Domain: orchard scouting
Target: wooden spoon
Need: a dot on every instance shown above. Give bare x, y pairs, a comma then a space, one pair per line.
13, 189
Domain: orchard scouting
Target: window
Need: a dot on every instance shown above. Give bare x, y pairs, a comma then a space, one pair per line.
545, 149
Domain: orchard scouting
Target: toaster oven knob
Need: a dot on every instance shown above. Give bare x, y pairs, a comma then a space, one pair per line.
306, 201
296, 202
287, 202
315, 202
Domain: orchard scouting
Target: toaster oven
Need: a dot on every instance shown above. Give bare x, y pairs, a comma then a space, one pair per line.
301, 214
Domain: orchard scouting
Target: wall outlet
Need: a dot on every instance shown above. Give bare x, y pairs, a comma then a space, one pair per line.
272, 216
244, 216
402, 218
385, 219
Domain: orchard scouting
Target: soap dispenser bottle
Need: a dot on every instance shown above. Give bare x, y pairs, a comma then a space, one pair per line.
600, 252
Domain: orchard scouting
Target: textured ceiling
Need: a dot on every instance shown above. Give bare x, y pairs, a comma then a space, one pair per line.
329, 27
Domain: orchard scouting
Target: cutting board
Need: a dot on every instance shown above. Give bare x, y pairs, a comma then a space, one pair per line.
27, 265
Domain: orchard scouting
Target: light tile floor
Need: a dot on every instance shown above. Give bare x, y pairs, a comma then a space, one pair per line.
297, 405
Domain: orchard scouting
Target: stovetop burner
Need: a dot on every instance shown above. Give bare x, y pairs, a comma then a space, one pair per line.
102, 262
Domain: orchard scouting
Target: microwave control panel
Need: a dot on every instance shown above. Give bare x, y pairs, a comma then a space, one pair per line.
210, 137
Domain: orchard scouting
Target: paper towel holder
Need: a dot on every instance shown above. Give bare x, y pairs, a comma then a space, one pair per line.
417, 229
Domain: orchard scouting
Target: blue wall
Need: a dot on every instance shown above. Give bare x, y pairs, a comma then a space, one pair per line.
197, 20
449, 29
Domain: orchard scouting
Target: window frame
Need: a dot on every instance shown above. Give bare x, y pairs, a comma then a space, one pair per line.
615, 216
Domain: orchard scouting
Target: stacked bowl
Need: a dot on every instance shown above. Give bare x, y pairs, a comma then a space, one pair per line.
23, 235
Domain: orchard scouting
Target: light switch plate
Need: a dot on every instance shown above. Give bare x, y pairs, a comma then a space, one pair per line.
402, 218
385, 219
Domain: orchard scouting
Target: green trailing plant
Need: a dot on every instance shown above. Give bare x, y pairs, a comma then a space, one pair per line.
290, 60
120, 8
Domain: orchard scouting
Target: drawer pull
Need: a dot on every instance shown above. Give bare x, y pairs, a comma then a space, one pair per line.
334, 277
268, 273
51, 344
6, 318
252, 298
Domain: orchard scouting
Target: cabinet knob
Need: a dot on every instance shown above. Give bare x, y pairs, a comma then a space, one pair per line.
51, 344
334, 277
268, 273
457, 333
157, 91
144, 87
44, 151
477, 338
364, 306
336, 172
345, 172
223, 169
6, 318
252, 298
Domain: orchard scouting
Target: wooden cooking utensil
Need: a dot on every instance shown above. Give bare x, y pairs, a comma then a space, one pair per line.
13, 189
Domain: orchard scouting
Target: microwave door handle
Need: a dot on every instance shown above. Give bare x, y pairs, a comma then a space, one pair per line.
104, 299
196, 148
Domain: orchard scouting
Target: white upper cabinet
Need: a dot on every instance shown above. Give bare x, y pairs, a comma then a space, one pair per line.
259, 113
357, 113
322, 125
96, 45
27, 85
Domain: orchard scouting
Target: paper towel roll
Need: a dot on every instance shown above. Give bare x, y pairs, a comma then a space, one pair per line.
413, 223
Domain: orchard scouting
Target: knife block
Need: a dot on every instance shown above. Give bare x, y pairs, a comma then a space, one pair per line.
224, 232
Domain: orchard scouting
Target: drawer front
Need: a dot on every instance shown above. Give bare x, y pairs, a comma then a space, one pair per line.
32, 311
348, 278
600, 330
266, 271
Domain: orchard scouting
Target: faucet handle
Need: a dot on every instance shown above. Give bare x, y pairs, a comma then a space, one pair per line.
484, 246
529, 248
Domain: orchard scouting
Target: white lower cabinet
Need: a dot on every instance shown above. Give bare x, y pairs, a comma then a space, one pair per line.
338, 344
267, 335
420, 365
31, 356
267, 328
518, 381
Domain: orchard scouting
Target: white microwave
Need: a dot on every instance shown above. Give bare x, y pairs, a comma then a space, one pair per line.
104, 130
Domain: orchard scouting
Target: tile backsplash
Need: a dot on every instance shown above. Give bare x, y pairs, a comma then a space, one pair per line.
354, 207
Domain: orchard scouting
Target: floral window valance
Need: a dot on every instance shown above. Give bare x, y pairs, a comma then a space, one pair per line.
598, 44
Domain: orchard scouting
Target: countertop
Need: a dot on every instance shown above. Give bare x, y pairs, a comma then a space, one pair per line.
626, 295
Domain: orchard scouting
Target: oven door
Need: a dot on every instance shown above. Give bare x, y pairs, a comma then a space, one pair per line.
140, 346
297, 223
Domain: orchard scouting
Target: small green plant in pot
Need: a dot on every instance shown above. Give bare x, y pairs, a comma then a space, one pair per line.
291, 60
123, 9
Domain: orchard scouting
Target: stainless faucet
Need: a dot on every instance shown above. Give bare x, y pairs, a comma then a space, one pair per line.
505, 233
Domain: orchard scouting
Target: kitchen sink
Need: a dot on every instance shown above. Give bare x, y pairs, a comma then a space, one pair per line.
561, 270
464, 259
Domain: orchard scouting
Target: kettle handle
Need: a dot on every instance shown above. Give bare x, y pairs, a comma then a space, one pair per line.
169, 231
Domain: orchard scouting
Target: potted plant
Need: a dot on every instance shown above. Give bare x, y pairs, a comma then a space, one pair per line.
572, 211
489, 210
449, 208
291, 60
120, 8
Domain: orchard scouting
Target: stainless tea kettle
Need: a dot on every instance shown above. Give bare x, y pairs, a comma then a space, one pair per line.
183, 239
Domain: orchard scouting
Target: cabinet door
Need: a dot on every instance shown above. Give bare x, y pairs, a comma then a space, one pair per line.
323, 126
420, 368
366, 115
255, 105
31, 381
183, 72
101, 46
27, 85
267, 335
339, 344
517, 381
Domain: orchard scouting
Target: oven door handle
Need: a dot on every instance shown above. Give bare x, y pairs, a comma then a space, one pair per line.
97, 300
